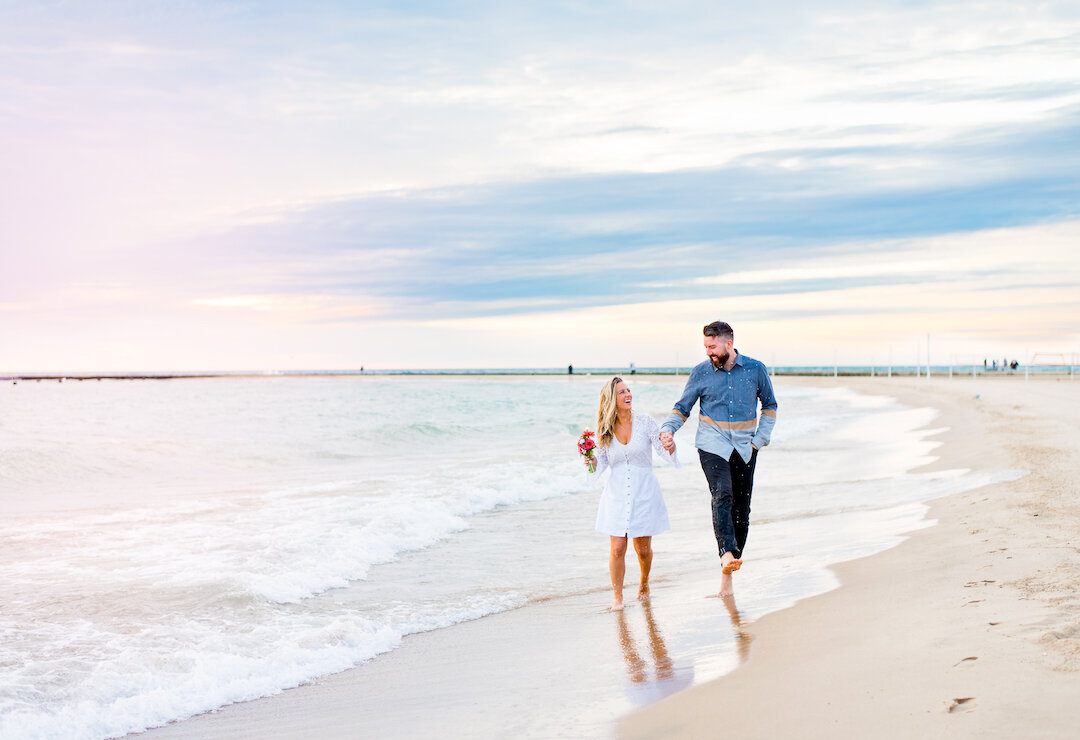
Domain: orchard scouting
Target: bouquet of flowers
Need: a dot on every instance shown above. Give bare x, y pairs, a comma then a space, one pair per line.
585, 446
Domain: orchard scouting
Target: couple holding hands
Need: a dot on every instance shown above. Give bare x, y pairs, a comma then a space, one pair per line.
728, 387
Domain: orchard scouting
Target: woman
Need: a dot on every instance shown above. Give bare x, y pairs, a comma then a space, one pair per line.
631, 505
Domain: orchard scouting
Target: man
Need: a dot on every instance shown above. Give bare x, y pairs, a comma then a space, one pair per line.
728, 386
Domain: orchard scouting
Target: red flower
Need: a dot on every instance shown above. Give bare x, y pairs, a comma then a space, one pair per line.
585, 446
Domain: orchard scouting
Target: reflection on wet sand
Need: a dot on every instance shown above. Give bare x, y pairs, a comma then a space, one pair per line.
667, 678
635, 664
742, 637
652, 670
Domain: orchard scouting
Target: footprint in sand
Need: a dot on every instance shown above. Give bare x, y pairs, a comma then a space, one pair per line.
966, 661
961, 706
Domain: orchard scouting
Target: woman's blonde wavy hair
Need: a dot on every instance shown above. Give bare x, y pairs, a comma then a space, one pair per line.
605, 415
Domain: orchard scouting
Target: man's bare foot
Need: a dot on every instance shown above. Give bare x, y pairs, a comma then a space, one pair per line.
643, 591
727, 587
731, 566
617, 606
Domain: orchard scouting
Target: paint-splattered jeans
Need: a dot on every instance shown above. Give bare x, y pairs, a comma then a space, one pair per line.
730, 482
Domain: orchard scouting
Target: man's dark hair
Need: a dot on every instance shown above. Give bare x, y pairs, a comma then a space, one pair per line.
719, 329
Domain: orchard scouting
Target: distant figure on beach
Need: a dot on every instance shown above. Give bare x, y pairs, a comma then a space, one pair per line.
569, 369
632, 505
728, 386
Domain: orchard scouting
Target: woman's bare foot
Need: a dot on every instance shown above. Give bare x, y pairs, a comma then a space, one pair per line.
617, 605
643, 591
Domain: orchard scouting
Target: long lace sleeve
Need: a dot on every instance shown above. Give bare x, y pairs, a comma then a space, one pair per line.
602, 463
654, 439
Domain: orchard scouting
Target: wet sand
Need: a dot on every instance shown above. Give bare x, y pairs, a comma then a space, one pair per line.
565, 667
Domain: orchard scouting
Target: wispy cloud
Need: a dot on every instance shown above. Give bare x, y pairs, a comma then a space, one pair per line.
588, 240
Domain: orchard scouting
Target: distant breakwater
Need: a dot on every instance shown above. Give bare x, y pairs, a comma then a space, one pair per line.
812, 371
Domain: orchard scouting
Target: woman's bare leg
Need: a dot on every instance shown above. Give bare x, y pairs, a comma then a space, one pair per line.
643, 548
617, 567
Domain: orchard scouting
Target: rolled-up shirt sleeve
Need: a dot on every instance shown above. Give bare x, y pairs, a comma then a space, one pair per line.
768, 409
681, 412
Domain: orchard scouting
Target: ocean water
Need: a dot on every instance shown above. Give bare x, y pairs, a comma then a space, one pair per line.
170, 547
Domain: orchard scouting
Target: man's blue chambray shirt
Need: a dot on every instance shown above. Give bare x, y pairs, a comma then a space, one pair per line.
727, 418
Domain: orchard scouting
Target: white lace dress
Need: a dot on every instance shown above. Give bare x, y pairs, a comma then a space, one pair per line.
632, 503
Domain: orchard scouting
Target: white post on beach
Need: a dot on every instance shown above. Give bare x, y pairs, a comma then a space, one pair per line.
835, 365
928, 356
1027, 364
871, 364
918, 359
890, 362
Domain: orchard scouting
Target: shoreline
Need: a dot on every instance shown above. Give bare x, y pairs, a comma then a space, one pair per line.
970, 628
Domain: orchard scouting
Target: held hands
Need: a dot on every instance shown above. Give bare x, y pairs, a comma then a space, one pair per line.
667, 439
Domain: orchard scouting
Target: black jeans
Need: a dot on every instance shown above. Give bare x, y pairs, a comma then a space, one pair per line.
730, 482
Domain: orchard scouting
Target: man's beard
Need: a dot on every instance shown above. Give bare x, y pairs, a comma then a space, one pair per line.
719, 361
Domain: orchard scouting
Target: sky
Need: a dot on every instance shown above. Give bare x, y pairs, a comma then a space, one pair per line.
330, 185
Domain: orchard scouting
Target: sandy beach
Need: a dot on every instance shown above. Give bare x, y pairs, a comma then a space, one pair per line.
971, 628
968, 628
